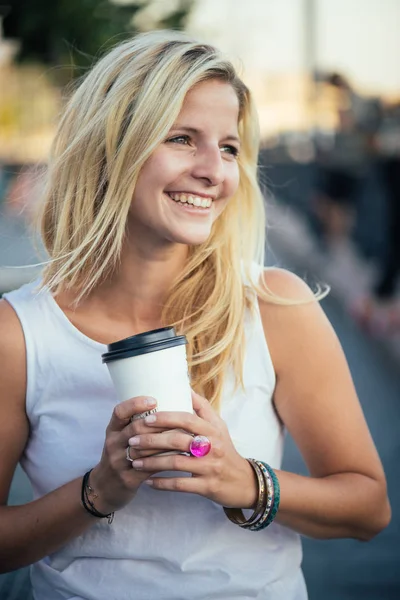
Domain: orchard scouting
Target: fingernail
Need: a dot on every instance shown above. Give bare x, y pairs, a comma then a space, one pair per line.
148, 482
134, 441
137, 464
150, 402
150, 419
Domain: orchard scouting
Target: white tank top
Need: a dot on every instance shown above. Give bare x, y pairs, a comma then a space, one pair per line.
163, 545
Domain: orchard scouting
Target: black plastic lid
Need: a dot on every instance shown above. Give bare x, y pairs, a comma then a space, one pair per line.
149, 341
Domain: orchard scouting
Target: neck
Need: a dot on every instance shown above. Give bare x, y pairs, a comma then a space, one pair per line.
139, 289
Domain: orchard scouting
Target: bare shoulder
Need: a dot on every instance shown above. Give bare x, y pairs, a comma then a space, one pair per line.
14, 426
12, 348
287, 285
295, 319
314, 386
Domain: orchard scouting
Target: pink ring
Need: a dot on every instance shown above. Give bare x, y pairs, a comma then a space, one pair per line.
199, 446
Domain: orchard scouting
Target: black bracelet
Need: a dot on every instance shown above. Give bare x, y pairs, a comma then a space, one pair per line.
87, 504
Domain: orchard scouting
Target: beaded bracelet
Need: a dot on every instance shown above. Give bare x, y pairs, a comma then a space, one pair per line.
86, 492
277, 493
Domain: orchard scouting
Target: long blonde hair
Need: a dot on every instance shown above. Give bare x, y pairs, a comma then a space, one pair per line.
120, 113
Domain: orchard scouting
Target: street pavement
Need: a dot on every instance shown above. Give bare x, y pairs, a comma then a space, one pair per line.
16, 251
334, 569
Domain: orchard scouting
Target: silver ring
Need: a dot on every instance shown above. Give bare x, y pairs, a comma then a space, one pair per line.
142, 415
128, 454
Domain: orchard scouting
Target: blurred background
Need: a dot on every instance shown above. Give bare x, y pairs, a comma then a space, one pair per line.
325, 75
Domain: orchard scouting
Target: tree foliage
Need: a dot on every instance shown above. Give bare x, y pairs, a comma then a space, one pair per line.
71, 33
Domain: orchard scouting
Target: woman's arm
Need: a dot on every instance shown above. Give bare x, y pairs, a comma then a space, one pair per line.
345, 495
31, 531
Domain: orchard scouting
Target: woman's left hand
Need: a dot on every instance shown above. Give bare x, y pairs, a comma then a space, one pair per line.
222, 475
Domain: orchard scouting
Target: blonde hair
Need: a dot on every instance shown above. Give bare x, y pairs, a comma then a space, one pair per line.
120, 113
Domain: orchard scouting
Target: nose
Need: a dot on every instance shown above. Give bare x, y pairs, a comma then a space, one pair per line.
209, 166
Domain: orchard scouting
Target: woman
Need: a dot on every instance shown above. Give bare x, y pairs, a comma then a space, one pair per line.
153, 216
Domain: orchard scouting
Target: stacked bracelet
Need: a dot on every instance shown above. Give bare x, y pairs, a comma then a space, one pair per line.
86, 493
236, 514
267, 503
273, 498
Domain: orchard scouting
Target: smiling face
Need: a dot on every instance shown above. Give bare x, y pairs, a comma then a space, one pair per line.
188, 180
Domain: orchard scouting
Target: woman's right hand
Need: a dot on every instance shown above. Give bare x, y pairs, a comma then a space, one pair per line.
113, 479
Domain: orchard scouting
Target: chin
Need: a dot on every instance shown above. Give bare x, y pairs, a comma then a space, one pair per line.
191, 238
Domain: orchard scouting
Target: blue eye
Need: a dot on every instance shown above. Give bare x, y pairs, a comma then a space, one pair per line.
179, 139
231, 150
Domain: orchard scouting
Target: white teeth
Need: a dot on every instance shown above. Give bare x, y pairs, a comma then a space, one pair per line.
190, 199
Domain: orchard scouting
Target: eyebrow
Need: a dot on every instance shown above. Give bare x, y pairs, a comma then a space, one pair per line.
193, 130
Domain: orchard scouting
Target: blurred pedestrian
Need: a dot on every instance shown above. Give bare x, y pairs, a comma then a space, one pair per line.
152, 217
379, 311
342, 166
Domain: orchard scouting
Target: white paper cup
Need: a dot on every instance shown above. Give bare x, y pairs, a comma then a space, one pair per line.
152, 364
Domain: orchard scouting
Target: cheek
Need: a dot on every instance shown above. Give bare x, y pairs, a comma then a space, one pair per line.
232, 180
151, 173
161, 169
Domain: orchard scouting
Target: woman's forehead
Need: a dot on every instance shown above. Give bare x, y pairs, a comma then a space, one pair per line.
214, 100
